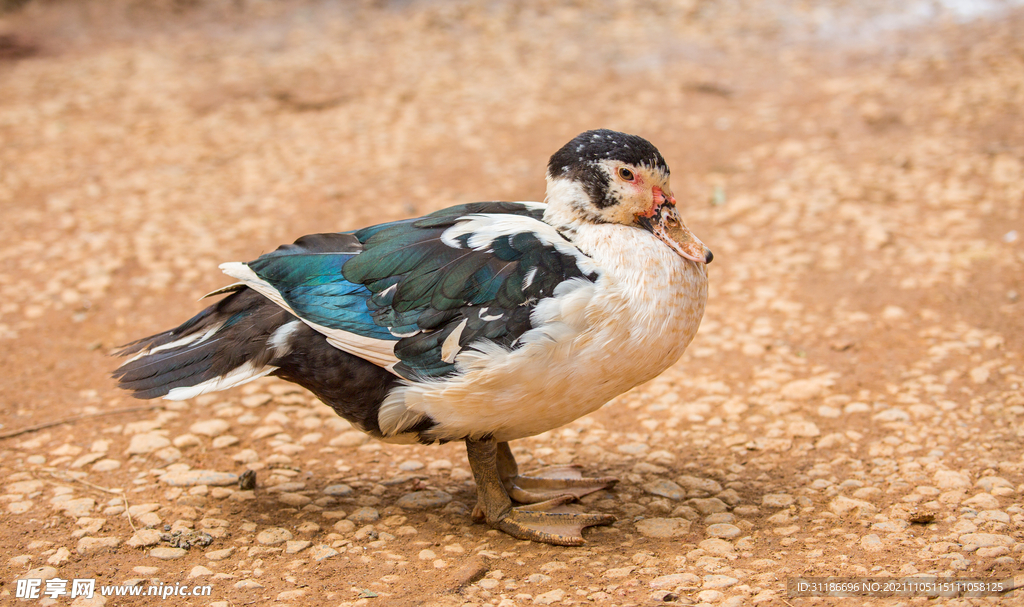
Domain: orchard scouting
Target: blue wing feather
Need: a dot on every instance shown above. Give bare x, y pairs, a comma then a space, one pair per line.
403, 282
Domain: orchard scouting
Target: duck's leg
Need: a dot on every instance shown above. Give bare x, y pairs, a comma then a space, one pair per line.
546, 483
540, 522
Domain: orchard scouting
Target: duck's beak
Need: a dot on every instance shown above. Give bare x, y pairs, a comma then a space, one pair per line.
666, 225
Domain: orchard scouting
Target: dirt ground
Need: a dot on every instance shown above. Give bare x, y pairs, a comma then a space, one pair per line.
852, 405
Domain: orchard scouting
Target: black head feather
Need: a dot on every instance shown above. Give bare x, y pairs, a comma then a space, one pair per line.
578, 160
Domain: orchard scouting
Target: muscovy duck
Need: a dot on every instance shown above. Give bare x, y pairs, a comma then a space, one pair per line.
484, 322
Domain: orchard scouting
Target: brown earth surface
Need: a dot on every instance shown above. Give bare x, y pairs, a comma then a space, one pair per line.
851, 406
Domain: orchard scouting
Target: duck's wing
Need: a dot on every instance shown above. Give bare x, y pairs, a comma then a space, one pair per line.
410, 295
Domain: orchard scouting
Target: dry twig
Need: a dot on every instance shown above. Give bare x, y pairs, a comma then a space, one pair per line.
76, 418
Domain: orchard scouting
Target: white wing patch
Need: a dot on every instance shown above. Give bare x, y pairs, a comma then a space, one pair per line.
380, 352
236, 377
484, 228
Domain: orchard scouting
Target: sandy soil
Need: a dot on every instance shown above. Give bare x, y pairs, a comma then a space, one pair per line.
851, 406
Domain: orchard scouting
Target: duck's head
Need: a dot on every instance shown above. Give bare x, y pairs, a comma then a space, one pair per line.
605, 176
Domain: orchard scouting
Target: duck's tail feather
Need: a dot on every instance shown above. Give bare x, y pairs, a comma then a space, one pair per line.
232, 342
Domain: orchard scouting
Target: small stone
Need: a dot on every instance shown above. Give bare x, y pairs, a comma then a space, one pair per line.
167, 554
91, 545
86, 459
723, 530
256, 400
20, 507
187, 440
144, 537
224, 441
39, 573
337, 490
291, 595
248, 585
210, 427
352, 438
717, 547
663, 527
947, 479
199, 571
700, 484
983, 501
321, 552
616, 573
364, 515
106, 465
709, 596
802, 389
548, 598
77, 508
296, 546
632, 448
147, 442
423, 500
219, 555
345, 526
777, 500
190, 478
973, 541
20, 561
59, 557
294, 499
719, 581
665, 488
273, 536
844, 506
410, 465
709, 505
871, 543
675, 580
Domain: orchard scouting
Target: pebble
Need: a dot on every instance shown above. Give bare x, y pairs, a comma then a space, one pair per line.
219, 555
973, 541
296, 546
339, 490
185, 441
709, 505
189, 478
147, 442
947, 479
166, 554
39, 573
144, 537
58, 558
717, 547
423, 500
91, 545
719, 581
723, 530
294, 499
663, 527
548, 598
210, 427
199, 571
273, 536
224, 441
364, 515
983, 501
675, 580
322, 552
700, 484
248, 585
665, 488
352, 438
777, 500
77, 508
845, 506
871, 543
106, 465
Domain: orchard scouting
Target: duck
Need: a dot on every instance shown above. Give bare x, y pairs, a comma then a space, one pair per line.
484, 323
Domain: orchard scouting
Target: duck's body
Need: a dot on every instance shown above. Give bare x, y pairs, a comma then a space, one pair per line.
485, 322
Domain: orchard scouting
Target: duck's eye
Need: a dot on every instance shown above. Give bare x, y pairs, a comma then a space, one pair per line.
625, 174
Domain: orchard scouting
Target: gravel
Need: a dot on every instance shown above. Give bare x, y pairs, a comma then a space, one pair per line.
851, 406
